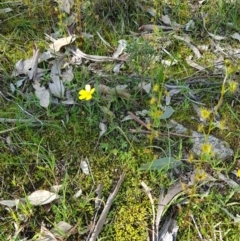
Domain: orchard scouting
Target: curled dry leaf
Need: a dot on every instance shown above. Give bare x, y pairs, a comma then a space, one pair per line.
59, 43
5, 10
103, 128
84, 167
216, 37
187, 40
96, 58
122, 45
168, 63
78, 193
193, 64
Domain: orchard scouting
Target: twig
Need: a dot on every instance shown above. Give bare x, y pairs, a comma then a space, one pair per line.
11, 129
199, 234
148, 192
99, 226
139, 121
21, 108
9, 120
160, 133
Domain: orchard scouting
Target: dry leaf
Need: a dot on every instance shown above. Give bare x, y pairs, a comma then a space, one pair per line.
78, 193
65, 5
193, 64
42, 94
122, 45
5, 10
84, 167
236, 36
166, 20
10, 203
103, 128
216, 37
46, 235
61, 230
187, 40
67, 75
57, 44
145, 86
95, 58
56, 86
42, 197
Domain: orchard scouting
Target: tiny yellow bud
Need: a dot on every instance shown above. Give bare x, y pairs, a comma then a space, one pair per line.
232, 86
201, 128
205, 113
155, 88
206, 148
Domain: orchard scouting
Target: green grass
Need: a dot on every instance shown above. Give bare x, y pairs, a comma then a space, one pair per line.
47, 149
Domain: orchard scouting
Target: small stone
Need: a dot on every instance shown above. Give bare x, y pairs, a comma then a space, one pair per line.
220, 148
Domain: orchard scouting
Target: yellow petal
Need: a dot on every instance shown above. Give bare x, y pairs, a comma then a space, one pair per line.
82, 92
238, 173
81, 97
92, 91
89, 97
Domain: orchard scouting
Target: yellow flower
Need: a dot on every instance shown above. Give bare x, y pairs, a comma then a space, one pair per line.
200, 175
155, 88
222, 125
87, 93
205, 113
206, 148
232, 86
190, 158
152, 101
156, 114
201, 128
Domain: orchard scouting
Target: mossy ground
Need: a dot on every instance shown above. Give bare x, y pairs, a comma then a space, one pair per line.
41, 155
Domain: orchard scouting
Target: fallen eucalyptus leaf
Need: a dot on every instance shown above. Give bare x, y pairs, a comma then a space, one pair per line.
168, 111
10, 203
61, 230
42, 94
145, 86
42, 197
165, 162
